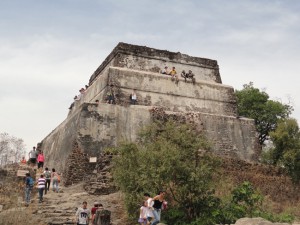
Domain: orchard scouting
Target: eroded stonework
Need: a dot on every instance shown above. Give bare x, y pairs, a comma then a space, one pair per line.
207, 102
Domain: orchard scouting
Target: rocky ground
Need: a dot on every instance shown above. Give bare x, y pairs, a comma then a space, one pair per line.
60, 208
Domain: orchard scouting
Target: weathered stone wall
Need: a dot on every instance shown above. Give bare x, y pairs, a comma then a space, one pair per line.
97, 127
100, 181
209, 103
77, 166
158, 90
153, 60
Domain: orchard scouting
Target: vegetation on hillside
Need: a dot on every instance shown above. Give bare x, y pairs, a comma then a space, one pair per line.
168, 156
273, 124
285, 151
255, 104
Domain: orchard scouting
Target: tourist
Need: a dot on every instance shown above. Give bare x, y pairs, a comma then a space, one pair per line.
28, 188
173, 72
47, 175
97, 102
32, 156
23, 161
149, 201
143, 214
55, 179
82, 216
81, 93
41, 160
97, 206
41, 187
110, 98
133, 97
165, 71
73, 103
157, 206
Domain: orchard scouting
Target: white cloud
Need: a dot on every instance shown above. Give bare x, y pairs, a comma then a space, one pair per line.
48, 54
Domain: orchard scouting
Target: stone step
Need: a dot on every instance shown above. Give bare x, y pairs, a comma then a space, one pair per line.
43, 211
61, 223
58, 215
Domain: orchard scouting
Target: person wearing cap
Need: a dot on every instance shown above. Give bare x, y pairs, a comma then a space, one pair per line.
82, 215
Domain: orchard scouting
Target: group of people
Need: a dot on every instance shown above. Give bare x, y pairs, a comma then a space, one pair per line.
150, 211
43, 184
78, 97
84, 215
35, 157
173, 73
110, 94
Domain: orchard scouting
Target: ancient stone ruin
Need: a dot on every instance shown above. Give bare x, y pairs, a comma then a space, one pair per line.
91, 127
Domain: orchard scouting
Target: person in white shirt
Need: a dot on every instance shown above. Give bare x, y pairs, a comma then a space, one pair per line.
83, 214
149, 207
133, 97
41, 187
143, 214
32, 156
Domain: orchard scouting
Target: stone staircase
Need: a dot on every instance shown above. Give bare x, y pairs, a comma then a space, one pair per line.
60, 208
52, 213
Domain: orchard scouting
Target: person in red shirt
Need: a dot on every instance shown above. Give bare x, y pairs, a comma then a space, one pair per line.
23, 161
97, 206
40, 160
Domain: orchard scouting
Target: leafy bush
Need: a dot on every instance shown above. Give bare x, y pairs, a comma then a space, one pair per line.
167, 157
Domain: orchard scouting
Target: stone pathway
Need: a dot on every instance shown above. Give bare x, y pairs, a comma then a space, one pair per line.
60, 208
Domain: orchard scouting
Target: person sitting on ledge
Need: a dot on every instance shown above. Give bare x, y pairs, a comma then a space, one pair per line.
189, 75
165, 71
173, 73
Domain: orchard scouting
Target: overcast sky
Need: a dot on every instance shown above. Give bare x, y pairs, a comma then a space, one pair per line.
49, 49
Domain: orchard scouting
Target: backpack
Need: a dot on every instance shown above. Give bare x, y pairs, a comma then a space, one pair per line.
47, 175
58, 178
30, 182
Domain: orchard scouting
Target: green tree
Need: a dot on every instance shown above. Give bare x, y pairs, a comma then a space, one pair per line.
255, 104
286, 151
167, 157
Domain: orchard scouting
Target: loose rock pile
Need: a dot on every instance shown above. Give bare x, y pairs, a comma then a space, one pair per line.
100, 182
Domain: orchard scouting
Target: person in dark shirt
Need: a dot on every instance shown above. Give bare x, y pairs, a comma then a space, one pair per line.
28, 188
158, 201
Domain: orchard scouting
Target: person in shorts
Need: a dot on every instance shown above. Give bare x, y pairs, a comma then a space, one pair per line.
32, 156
